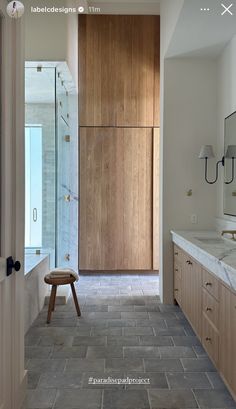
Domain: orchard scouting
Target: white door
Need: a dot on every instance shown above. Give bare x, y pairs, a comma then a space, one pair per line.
12, 373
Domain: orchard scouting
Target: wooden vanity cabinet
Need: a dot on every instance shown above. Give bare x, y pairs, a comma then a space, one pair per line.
227, 347
210, 307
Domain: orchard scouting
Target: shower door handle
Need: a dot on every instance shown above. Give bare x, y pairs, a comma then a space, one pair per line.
35, 214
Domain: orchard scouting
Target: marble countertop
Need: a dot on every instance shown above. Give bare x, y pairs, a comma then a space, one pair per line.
216, 254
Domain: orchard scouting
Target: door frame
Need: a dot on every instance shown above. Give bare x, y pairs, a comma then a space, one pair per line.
12, 195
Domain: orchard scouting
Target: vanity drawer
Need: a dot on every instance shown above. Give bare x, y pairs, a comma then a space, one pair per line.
210, 283
210, 307
178, 256
210, 339
177, 290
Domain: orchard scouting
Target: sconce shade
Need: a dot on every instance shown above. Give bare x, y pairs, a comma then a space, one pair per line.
231, 152
206, 152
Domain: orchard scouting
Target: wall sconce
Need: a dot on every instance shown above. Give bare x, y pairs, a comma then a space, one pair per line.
207, 153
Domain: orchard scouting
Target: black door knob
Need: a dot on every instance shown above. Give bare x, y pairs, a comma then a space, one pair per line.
12, 265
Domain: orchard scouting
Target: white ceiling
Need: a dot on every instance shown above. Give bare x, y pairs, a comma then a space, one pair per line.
201, 33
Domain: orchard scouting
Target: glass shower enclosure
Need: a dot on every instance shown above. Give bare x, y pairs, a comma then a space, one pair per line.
51, 164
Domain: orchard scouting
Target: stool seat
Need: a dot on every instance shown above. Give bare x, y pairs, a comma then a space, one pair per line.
59, 280
54, 282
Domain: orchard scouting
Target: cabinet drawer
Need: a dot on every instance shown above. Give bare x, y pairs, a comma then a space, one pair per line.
177, 290
177, 272
210, 307
210, 283
178, 256
210, 339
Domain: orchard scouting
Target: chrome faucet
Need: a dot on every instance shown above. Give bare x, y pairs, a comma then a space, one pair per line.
233, 232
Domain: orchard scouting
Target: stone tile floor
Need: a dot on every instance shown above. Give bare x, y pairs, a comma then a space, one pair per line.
124, 331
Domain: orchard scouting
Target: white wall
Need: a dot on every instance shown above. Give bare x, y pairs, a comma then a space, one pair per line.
52, 37
226, 105
189, 120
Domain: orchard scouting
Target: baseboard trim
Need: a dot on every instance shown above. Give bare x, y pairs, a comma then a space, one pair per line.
119, 272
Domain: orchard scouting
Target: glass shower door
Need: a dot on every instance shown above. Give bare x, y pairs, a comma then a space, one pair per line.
33, 186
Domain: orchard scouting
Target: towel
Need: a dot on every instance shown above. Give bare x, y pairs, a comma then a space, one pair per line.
64, 272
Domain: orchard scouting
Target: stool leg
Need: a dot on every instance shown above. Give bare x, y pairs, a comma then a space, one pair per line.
54, 298
51, 302
75, 299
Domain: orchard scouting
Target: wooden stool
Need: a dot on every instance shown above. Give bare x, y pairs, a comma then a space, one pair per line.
54, 282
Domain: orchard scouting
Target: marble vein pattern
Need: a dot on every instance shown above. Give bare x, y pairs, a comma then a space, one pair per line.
124, 331
216, 254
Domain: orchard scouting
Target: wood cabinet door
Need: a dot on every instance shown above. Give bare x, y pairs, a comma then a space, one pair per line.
191, 292
227, 324
116, 199
119, 64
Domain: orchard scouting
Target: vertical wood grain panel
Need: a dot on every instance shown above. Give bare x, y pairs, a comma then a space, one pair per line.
116, 199
156, 196
119, 58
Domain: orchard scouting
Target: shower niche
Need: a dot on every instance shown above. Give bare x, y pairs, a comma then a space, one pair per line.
51, 164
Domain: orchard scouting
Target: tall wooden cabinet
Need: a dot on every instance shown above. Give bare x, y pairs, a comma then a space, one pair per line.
119, 141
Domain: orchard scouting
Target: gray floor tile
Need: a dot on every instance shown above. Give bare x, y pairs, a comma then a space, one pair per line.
213, 398
115, 332
104, 352
69, 352
216, 380
128, 399
138, 331
135, 315
127, 364
163, 365
40, 398
122, 340
198, 365
171, 399
186, 341
85, 365
38, 352
147, 308
102, 315
141, 352
160, 323
176, 352
121, 323
97, 308
121, 308
93, 340
33, 379
45, 365
168, 331
188, 380
156, 340
51, 340
200, 351
60, 380
78, 399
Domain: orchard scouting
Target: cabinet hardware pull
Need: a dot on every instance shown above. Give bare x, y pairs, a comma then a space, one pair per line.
208, 339
176, 253
208, 284
208, 309
176, 269
176, 289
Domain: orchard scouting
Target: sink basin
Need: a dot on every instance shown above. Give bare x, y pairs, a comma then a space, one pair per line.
212, 240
